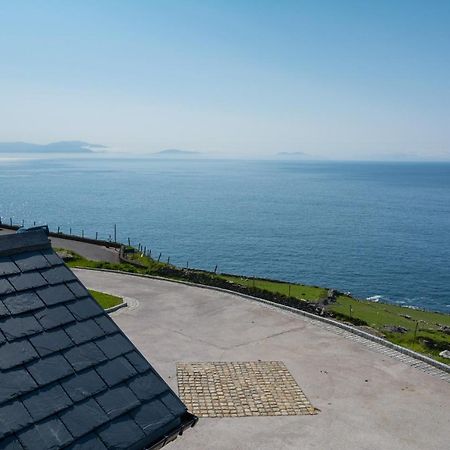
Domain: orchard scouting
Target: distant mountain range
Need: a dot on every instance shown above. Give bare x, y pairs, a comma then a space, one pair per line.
174, 153
54, 147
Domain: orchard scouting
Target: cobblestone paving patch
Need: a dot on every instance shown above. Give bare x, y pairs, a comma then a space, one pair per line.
240, 389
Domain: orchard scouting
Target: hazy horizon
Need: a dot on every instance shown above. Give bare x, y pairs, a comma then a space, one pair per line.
335, 81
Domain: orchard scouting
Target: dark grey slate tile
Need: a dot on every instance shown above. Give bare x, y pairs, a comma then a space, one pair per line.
3, 310
5, 287
7, 266
85, 308
14, 383
83, 385
27, 280
49, 369
117, 401
51, 434
52, 257
107, 324
54, 317
83, 418
115, 345
2, 338
28, 261
22, 302
155, 419
115, 371
147, 386
19, 326
46, 402
173, 404
16, 243
11, 443
138, 362
88, 442
13, 417
84, 356
58, 274
121, 433
84, 331
52, 295
78, 289
51, 342
14, 353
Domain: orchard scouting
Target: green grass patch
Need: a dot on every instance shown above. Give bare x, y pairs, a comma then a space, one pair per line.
106, 300
300, 291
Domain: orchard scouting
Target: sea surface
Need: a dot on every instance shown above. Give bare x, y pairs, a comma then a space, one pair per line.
379, 230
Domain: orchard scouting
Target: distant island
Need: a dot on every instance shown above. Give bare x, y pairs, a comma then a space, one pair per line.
54, 147
175, 153
292, 154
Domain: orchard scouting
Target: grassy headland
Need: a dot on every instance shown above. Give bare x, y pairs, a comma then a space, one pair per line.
423, 331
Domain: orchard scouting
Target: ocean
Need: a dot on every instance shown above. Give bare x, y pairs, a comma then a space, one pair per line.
378, 230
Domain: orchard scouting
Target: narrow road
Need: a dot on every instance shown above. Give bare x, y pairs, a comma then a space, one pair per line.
85, 249
367, 400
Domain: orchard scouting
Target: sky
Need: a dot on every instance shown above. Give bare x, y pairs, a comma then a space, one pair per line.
363, 79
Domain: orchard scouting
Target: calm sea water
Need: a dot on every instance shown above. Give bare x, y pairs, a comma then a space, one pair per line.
375, 229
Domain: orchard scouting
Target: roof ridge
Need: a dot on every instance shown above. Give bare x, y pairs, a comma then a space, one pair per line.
12, 244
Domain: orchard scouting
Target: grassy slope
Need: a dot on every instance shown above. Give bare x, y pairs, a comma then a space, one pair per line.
375, 315
106, 300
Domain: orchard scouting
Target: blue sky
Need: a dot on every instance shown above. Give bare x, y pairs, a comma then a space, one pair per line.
332, 79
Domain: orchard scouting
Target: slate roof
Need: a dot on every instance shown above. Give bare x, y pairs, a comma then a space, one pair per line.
69, 377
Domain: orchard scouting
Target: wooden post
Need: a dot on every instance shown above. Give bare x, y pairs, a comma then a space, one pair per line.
23, 222
34, 223
168, 260
82, 233
115, 233
159, 257
96, 235
129, 242
215, 269
70, 231
58, 229
10, 221
187, 264
415, 332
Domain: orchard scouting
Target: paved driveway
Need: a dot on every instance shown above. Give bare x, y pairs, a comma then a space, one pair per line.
366, 399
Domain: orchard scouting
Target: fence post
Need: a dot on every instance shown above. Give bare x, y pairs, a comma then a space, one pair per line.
159, 257
115, 233
96, 235
10, 221
129, 242
82, 233
168, 260
58, 229
215, 269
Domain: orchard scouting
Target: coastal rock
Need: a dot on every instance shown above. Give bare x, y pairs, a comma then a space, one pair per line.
395, 329
445, 354
445, 329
